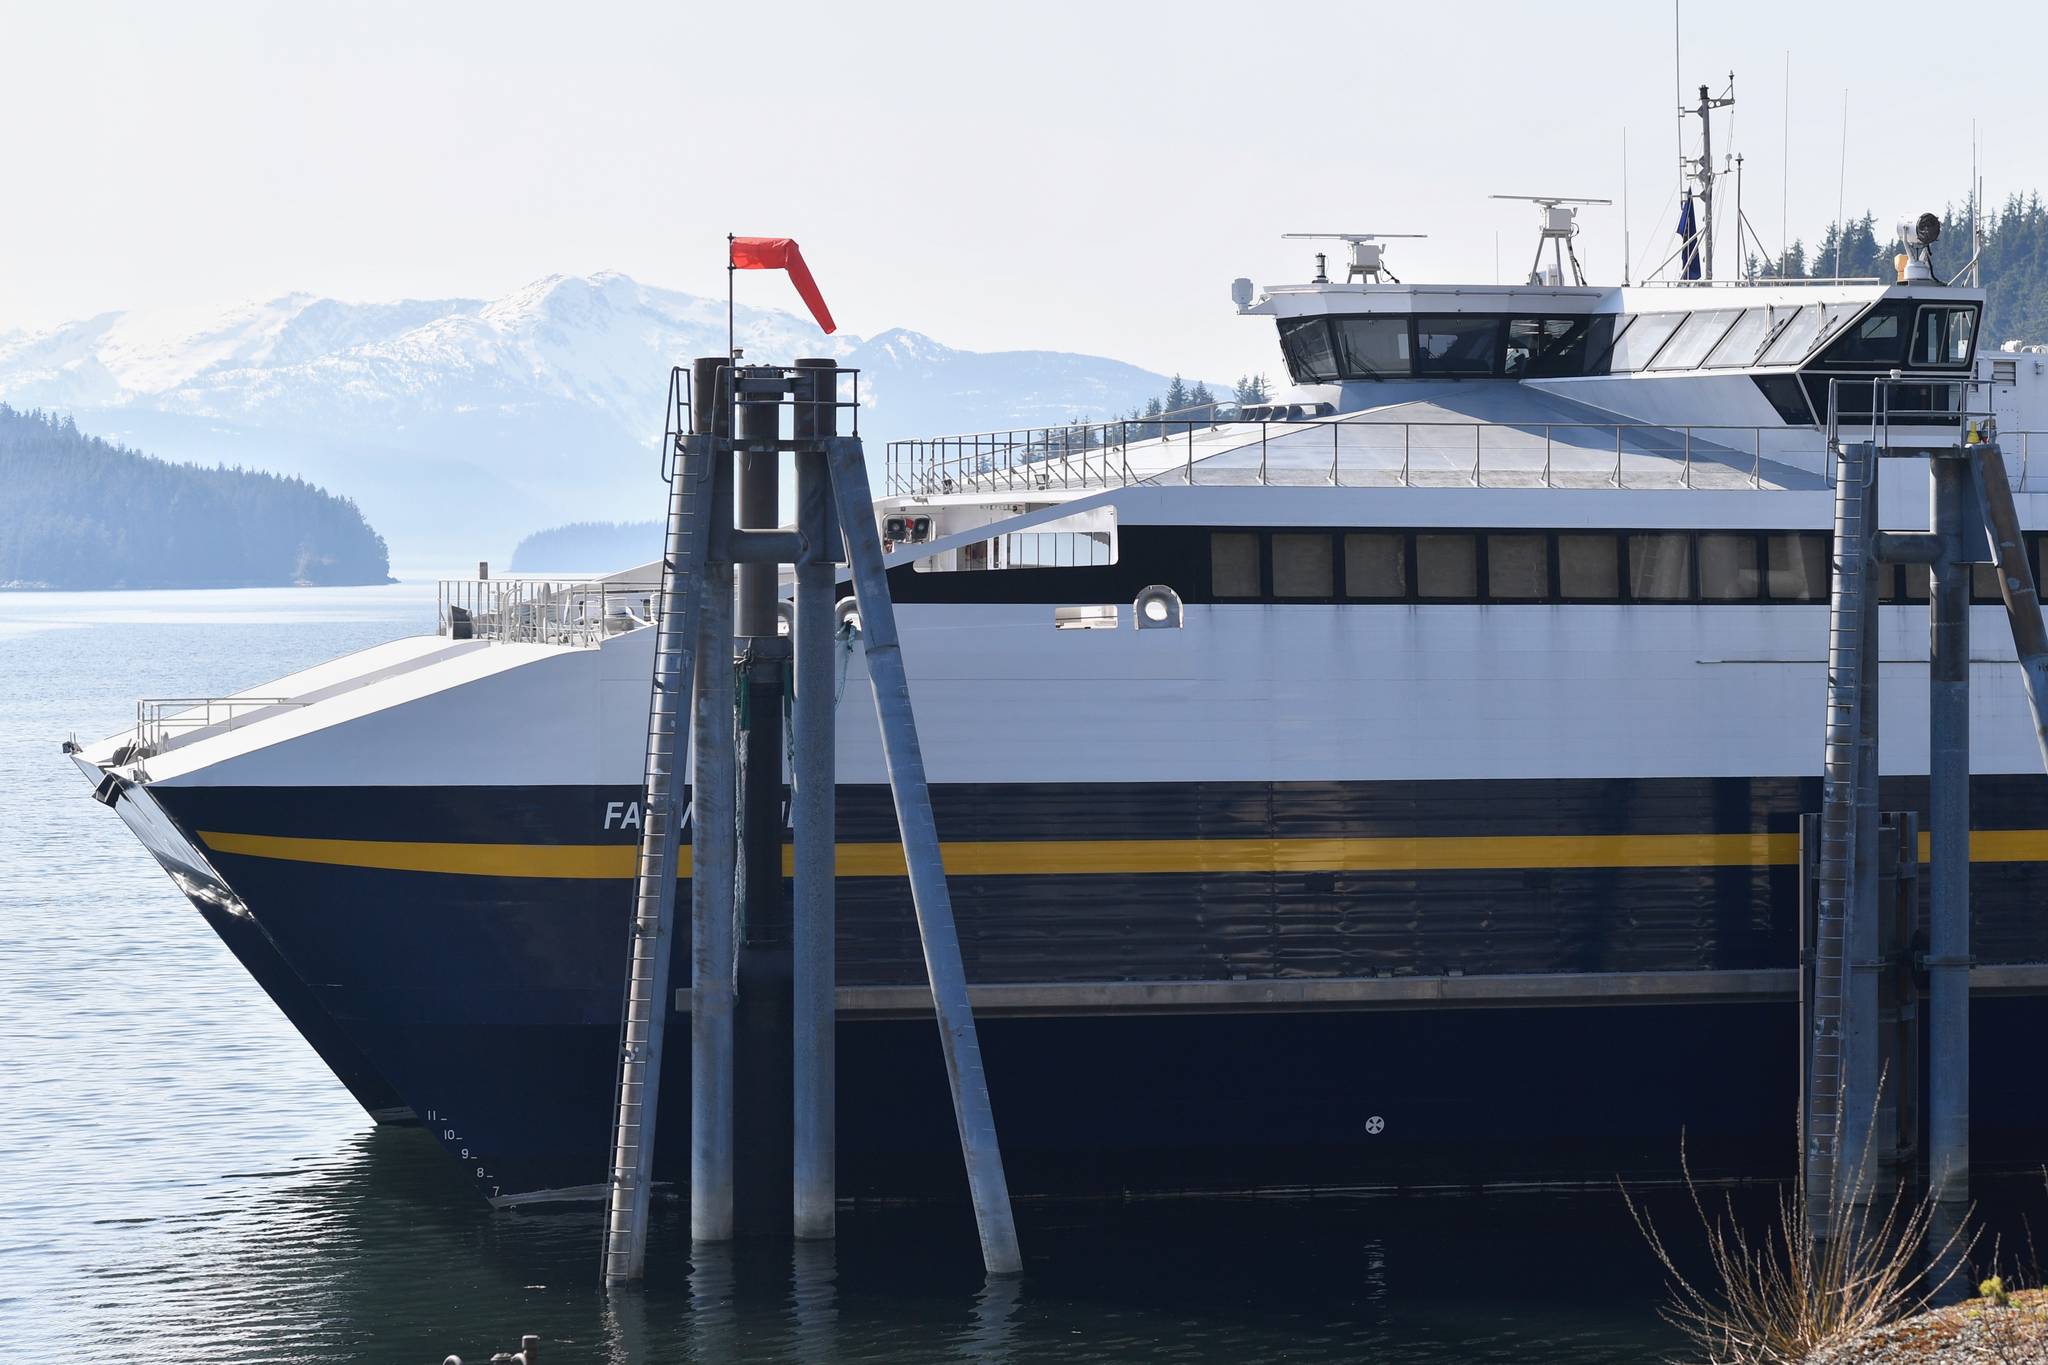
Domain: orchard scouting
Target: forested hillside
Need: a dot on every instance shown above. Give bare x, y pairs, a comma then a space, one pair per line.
2014, 267
588, 547
77, 512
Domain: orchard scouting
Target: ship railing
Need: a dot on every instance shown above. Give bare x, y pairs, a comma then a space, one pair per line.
544, 611
165, 722
756, 390
1341, 452
1758, 281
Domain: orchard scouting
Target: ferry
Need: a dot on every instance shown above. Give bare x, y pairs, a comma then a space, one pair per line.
1393, 784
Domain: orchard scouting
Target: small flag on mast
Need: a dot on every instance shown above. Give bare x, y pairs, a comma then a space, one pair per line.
1689, 238
780, 253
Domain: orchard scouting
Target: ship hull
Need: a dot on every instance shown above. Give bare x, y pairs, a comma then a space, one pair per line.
230, 919
1386, 985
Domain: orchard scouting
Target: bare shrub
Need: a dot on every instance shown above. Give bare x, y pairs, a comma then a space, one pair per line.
1780, 1294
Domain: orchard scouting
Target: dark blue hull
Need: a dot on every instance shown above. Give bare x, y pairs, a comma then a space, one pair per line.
296, 1001
488, 998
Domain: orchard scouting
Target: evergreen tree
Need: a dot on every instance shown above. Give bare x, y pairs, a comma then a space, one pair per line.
1824, 257
1862, 253
1850, 250
2014, 268
1199, 396
1176, 395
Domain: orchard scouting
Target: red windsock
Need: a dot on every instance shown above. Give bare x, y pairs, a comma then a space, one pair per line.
780, 253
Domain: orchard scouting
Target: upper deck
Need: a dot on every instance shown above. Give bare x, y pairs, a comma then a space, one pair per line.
1716, 385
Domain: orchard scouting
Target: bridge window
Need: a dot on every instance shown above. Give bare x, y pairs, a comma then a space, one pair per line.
1456, 345
1373, 348
1306, 344
1540, 348
1635, 348
1376, 565
1446, 565
1877, 338
1526, 338
1691, 342
1792, 343
1942, 336
1745, 340
1302, 565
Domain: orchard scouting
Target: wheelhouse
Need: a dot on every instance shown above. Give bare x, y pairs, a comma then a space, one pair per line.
1797, 343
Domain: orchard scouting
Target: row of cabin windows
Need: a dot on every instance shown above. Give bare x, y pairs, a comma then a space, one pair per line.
1470, 345
1547, 566
1942, 336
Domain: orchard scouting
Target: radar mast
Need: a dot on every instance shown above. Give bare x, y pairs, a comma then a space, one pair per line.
1367, 259
1557, 223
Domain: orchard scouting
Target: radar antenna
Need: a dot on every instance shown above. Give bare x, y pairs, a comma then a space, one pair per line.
1366, 257
1557, 220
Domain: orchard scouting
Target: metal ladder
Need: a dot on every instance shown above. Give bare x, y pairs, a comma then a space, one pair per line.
685, 549
1840, 823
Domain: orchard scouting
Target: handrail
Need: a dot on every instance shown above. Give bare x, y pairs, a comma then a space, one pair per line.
1094, 456
543, 611
676, 424
1756, 282
159, 720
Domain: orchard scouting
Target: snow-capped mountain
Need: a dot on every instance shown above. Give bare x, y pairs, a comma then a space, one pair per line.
460, 424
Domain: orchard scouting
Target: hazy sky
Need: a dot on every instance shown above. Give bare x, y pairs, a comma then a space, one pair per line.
1078, 176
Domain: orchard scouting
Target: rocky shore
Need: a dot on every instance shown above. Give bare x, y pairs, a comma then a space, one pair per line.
1980, 1331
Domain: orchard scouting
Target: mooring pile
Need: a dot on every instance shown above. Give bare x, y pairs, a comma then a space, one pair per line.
762, 974
1859, 1002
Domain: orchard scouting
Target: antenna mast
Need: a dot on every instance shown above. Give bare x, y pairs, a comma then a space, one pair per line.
1702, 170
1976, 212
1626, 257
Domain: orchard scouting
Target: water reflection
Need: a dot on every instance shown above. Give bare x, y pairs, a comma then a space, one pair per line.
378, 1256
995, 1306
814, 1301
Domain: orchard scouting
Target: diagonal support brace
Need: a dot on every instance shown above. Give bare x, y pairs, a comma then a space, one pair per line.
987, 1186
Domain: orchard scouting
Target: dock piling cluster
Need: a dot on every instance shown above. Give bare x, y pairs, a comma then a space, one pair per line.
1858, 1077
763, 1012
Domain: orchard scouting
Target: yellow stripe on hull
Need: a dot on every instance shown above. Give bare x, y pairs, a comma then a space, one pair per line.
1023, 857
578, 861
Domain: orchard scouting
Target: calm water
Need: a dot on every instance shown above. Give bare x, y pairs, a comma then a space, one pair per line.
180, 1178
